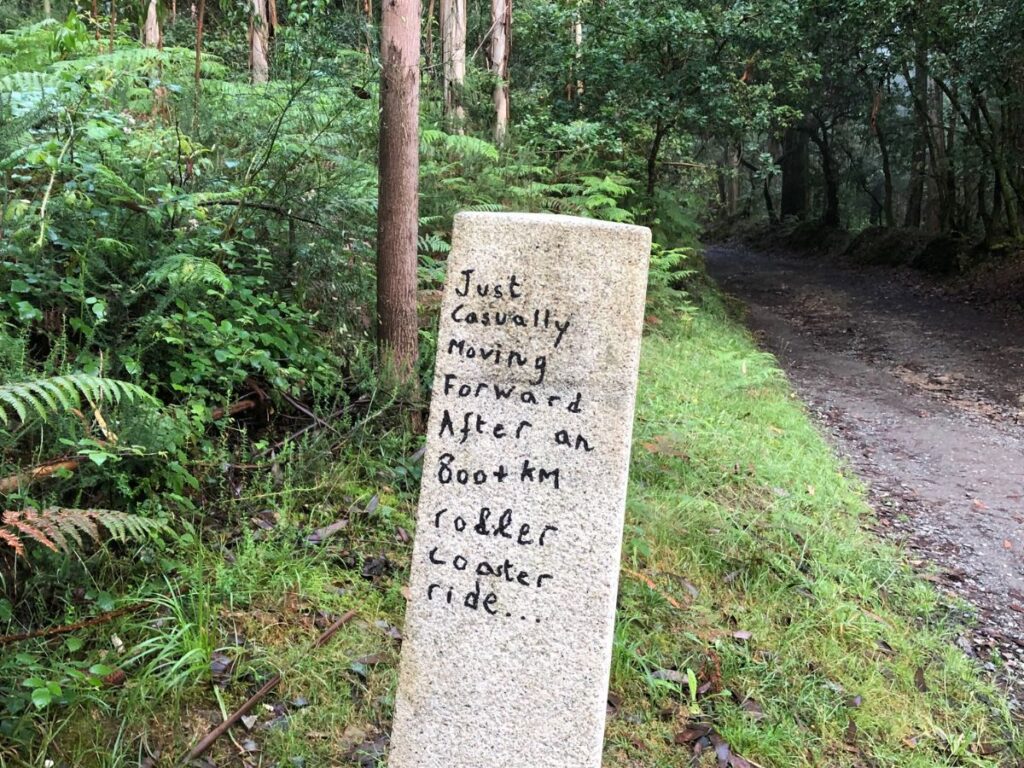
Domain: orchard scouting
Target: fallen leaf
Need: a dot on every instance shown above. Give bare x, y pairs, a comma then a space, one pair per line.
851, 733
389, 629
614, 702
919, 680
672, 675
369, 753
692, 733
322, 534
742, 635
371, 660
249, 721
1007, 544
752, 708
402, 535
376, 566
220, 668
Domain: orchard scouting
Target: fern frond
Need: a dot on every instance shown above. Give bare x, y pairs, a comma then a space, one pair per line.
12, 541
54, 526
182, 269
62, 393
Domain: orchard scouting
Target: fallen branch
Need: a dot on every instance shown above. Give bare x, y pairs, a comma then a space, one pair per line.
63, 630
71, 463
207, 741
232, 410
38, 472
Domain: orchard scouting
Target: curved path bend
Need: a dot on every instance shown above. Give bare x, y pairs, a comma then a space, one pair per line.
924, 395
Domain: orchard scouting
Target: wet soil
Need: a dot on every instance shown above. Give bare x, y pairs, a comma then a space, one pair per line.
924, 395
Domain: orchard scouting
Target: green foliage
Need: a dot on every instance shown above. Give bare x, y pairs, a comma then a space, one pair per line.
46, 396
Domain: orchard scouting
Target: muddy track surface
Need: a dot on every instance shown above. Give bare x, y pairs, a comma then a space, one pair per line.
925, 397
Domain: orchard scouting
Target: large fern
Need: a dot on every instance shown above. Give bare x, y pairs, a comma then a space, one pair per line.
57, 527
45, 397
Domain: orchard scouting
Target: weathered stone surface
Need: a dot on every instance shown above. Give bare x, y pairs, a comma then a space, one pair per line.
508, 633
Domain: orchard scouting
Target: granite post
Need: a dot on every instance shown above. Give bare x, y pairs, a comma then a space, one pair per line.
508, 634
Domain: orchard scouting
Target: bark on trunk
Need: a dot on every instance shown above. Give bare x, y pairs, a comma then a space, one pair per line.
794, 174
428, 48
501, 30
660, 129
883, 148
398, 201
453, 49
830, 216
151, 29
261, 26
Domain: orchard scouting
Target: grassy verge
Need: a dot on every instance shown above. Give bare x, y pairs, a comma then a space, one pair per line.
754, 610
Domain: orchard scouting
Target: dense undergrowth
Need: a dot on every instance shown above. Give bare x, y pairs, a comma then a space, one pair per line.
186, 277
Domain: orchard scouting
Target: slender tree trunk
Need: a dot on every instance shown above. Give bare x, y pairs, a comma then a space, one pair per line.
453, 49
428, 48
830, 216
113, 23
151, 29
398, 199
501, 22
368, 12
47, 10
197, 90
769, 206
660, 129
577, 39
915, 191
794, 174
883, 148
259, 41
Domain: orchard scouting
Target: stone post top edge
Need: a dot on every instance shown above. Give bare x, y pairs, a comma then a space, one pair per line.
553, 219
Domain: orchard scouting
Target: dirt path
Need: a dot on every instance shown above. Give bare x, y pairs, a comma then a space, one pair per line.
925, 396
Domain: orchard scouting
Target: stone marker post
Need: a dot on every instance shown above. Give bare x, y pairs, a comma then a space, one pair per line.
508, 634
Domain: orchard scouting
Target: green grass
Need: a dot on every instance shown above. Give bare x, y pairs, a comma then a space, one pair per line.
740, 513
748, 575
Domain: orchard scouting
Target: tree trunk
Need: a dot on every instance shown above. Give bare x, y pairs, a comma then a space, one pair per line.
260, 29
428, 48
830, 216
883, 148
915, 191
769, 206
151, 29
113, 23
660, 129
501, 31
453, 49
575, 83
200, 13
794, 174
47, 10
398, 200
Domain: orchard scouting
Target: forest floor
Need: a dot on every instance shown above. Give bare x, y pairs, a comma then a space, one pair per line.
924, 395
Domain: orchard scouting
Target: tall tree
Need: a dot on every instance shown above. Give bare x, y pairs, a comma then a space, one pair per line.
262, 23
501, 38
398, 189
151, 29
453, 50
